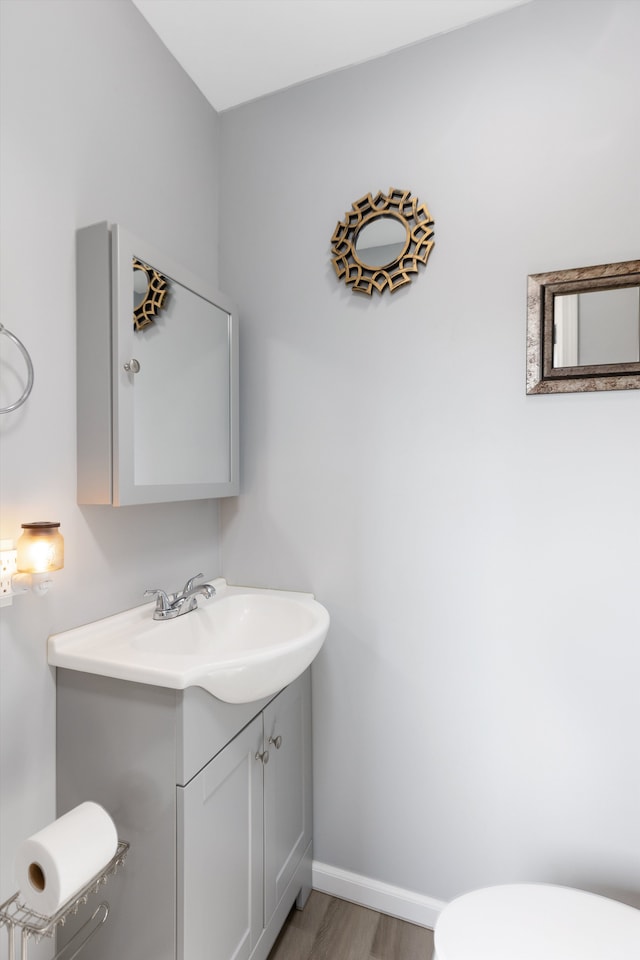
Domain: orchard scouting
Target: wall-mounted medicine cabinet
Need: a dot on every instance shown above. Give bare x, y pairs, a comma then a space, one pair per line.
157, 376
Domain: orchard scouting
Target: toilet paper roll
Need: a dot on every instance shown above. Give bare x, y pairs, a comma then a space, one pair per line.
55, 863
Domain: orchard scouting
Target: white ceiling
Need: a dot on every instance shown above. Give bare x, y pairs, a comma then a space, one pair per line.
238, 50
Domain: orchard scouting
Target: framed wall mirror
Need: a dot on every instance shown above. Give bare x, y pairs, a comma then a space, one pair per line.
157, 376
583, 329
381, 241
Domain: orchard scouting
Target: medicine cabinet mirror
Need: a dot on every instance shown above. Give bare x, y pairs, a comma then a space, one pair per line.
583, 329
157, 351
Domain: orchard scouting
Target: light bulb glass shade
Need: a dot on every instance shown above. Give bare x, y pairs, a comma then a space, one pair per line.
40, 548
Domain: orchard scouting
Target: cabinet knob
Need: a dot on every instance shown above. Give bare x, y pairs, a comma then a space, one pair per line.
264, 756
132, 366
276, 741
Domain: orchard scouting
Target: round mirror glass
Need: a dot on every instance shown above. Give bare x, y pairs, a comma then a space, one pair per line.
140, 286
381, 241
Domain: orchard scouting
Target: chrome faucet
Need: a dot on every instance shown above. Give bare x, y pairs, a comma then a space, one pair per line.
171, 605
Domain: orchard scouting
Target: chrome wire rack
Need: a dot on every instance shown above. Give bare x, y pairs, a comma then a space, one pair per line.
24, 924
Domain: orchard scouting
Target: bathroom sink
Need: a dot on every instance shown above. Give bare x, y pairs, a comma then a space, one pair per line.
243, 644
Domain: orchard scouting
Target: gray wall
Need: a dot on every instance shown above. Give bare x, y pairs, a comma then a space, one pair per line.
99, 122
476, 703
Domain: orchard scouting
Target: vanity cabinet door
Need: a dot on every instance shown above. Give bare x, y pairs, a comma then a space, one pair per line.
220, 836
287, 788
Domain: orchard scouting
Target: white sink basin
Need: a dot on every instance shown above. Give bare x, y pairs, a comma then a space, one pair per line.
241, 645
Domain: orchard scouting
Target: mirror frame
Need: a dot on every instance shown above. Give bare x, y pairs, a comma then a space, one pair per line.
153, 300
542, 376
418, 223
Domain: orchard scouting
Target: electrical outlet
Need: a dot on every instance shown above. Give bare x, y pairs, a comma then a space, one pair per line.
8, 567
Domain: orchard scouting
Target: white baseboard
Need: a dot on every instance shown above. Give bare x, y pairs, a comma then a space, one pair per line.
382, 897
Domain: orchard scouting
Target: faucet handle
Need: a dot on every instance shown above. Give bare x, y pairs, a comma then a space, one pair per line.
189, 585
163, 601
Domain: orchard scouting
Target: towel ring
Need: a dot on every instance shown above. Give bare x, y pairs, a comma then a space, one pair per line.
25, 353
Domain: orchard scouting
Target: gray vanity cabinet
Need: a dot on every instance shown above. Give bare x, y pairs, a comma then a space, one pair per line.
220, 839
287, 792
244, 826
220, 872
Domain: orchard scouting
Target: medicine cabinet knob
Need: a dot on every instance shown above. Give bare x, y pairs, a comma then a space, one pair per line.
276, 741
132, 366
264, 756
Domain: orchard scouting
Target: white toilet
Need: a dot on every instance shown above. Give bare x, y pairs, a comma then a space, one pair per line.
531, 921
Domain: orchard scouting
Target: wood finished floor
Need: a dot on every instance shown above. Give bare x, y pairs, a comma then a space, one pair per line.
332, 929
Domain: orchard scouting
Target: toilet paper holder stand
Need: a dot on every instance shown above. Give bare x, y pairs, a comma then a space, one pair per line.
24, 924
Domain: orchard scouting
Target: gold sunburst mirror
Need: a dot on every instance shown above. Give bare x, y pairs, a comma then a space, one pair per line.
149, 292
381, 241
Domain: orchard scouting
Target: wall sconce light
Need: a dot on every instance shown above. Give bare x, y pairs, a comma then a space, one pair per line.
39, 551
